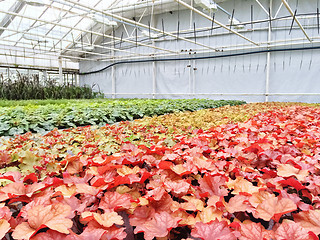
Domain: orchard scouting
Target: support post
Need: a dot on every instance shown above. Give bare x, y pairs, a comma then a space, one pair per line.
60, 71
113, 83
154, 80
154, 65
268, 57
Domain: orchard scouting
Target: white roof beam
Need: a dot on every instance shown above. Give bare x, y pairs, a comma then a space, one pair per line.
215, 21
127, 20
70, 42
87, 31
296, 19
8, 18
70, 30
263, 8
34, 22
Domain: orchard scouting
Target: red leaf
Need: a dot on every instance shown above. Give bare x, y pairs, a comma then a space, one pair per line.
52, 216
103, 169
98, 182
254, 231
178, 187
119, 180
4, 228
5, 213
170, 156
292, 182
12, 176
106, 220
19, 189
274, 208
31, 177
254, 148
141, 215
158, 226
239, 203
114, 233
50, 235
213, 185
309, 220
213, 231
114, 200
165, 165
291, 230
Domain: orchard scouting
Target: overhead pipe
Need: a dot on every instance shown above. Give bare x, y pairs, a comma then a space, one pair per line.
202, 58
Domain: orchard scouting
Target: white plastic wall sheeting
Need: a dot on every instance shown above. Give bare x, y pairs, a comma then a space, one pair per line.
134, 81
293, 74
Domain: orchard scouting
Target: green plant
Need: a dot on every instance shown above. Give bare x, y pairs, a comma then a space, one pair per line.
65, 114
30, 87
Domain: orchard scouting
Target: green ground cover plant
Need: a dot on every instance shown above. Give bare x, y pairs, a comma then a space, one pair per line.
41, 118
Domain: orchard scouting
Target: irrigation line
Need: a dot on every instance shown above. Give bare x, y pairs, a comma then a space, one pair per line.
200, 58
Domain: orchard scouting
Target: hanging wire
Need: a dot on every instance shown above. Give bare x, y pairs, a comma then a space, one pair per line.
81, 40
114, 35
212, 23
121, 38
135, 24
251, 16
177, 40
231, 20
293, 19
103, 32
311, 57
251, 19
270, 19
194, 32
318, 17
162, 21
91, 35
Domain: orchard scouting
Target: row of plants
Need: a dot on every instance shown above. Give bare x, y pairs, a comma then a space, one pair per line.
15, 103
27, 87
257, 178
42, 118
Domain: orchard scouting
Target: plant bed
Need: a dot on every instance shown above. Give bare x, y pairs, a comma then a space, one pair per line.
41, 118
243, 180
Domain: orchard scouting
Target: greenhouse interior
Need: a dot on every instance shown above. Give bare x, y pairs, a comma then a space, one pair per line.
159, 120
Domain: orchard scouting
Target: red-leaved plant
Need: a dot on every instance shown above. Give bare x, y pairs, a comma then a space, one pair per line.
253, 180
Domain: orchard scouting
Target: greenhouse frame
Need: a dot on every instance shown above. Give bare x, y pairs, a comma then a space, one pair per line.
159, 120
257, 50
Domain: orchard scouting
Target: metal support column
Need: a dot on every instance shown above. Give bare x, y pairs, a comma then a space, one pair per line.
154, 65
60, 71
268, 57
113, 77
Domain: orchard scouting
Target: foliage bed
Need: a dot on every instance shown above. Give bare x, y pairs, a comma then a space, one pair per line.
41, 118
256, 179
